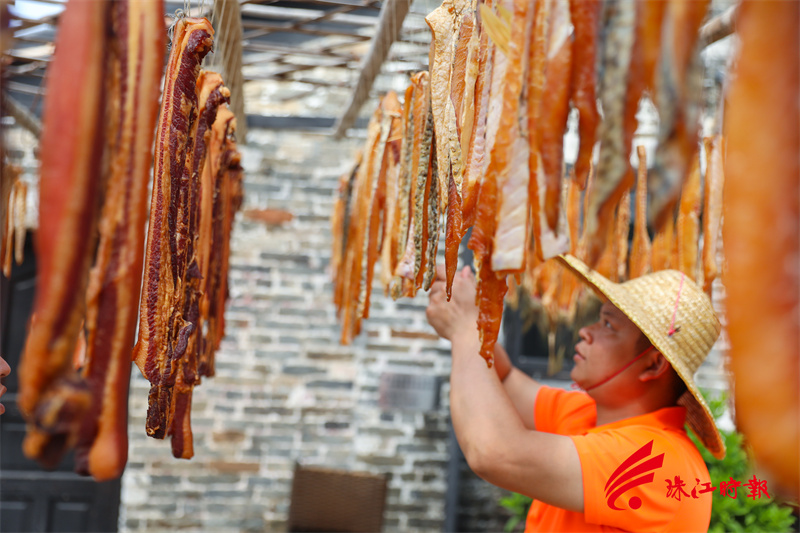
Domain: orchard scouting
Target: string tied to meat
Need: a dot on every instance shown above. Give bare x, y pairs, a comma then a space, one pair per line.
672, 328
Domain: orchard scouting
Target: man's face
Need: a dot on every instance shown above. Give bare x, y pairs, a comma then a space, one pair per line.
605, 347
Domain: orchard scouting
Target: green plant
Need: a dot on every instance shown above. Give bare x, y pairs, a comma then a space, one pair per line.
727, 514
742, 513
518, 505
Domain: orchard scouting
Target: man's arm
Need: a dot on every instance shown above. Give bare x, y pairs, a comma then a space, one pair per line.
492, 409
520, 387
497, 445
458, 317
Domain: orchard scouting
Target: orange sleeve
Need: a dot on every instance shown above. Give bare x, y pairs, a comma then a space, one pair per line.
642, 507
563, 412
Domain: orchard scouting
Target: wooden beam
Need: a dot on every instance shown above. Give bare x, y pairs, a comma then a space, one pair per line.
393, 13
22, 115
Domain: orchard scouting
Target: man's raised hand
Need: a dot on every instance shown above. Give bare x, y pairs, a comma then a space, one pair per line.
460, 314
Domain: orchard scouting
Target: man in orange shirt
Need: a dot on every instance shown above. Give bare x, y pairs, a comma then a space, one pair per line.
616, 456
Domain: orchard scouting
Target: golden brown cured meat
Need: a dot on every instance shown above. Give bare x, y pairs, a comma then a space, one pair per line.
393, 167
163, 331
678, 97
761, 237
339, 225
476, 148
712, 209
555, 108
225, 161
211, 95
507, 164
390, 107
688, 226
639, 261
403, 211
14, 224
613, 163
424, 124
585, 16
443, 22
115, 279
661, 251
358, 228
52, 398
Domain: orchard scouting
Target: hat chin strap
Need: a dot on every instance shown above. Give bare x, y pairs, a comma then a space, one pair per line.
617, 373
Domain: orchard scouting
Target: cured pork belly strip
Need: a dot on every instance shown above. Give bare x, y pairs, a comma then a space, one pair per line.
52, 398
14, 223
211, 94
555, 108
357, 230
661, 252
712, 209
199, 357
404, 184
410, 265
688, 226
389, 230
390, 107
586, 20
639, 261
761, 237
476, 150
212, 302
163, 332
678, 97
507, 164
115, 279
613, 165
340, 221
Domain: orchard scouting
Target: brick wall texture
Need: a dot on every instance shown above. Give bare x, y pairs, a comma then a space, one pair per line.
286, 391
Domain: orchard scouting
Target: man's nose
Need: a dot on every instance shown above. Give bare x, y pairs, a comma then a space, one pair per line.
4, 368
585, 334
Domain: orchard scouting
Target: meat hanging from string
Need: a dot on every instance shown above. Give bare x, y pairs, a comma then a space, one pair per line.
503, 78
163, 329
115, 279
52, 396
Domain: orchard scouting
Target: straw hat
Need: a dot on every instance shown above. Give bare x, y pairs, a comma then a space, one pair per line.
678, 319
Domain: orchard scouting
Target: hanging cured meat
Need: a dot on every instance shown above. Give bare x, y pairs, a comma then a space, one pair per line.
613, 164
761, 237
639, 263
712, 209
224, 185
688, 225
164, 330
52, 397
476, 149
678, 96
555, 108
481, 146
585, 16
510, 153
115, 279
13, 239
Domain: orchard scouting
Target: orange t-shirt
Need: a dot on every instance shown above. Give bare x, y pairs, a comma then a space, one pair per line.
676, 498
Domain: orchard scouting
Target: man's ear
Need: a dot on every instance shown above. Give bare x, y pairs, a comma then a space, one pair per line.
657, 366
